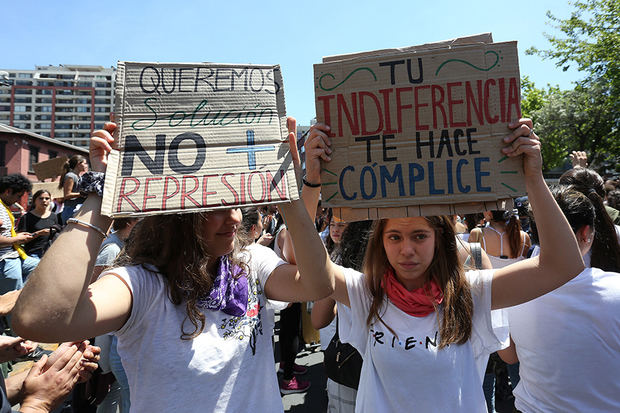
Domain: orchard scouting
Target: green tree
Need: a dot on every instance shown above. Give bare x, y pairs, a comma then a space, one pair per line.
588, 117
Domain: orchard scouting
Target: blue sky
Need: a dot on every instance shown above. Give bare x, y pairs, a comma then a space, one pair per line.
295, 35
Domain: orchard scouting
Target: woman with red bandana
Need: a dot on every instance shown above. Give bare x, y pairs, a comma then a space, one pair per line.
418, 319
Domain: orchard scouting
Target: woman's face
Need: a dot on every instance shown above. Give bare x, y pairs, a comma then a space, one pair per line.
43, 201
410, 246
82, 166
220, 230
336, 229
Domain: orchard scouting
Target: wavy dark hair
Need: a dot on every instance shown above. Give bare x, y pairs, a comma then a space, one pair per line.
457, 308
605, 247
352, 248
176, 246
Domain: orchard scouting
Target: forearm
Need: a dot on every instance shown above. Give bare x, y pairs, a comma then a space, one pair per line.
48, 302
7, 241
14, 386
313, 264
323, 312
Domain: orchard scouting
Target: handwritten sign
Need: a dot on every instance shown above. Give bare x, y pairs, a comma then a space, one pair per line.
198, 137
419, 131
49, 169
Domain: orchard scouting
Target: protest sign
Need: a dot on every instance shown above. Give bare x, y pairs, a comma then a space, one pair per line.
51, 187
196, 137
50, 168
418, 131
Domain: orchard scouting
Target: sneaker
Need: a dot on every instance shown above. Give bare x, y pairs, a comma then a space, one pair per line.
293, 386
297, 369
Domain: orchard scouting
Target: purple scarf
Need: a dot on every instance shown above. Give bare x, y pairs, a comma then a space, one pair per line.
229, 292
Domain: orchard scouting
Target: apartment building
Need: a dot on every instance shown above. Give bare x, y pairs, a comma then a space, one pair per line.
65, 102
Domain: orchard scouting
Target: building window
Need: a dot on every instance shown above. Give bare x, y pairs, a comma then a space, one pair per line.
34, 157
52, 154
24, 75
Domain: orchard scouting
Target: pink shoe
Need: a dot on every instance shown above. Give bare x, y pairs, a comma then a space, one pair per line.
297, 369
293, 386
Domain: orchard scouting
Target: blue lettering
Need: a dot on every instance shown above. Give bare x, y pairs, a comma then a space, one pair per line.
415, 177
385, 176
459, 181
480, 174
341, 183
373, 192
431, 180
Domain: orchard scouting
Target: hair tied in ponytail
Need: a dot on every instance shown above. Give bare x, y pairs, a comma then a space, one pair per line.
509, 214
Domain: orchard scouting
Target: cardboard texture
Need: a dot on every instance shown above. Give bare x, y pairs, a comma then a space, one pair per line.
50, 168
418, 131
198, 136
51, 187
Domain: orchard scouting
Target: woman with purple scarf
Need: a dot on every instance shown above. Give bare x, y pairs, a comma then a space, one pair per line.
188, 303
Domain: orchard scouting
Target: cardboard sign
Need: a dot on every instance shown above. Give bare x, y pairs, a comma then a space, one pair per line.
196, 137
51, 187
50, 168
418, 131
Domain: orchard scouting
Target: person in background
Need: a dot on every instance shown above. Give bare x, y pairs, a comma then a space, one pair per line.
15, 264
550, 333
605, 251
69, 180
501, 250
39, 222
349, 251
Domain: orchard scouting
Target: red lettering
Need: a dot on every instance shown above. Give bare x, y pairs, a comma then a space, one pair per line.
186, 194
513, 99
365, 131
471, 102
282, 192
437, 103
230, 188
125, 195
400, 106
205, 178
342, 108
386, 110
326, 112
166, 197
263, 186
146, 193
487, 99
417, 107
451, 103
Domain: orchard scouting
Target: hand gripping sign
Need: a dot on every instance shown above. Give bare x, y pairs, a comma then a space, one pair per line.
197, 137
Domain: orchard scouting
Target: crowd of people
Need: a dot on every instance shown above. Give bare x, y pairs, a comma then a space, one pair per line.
415, 314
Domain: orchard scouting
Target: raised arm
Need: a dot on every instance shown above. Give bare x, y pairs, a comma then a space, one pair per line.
57, 304
560, 258
313, 277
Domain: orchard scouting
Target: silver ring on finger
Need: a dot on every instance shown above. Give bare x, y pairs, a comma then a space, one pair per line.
531, 132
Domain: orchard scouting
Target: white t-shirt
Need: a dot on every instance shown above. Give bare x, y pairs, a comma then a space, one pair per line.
568, 343
408, 373
228, 367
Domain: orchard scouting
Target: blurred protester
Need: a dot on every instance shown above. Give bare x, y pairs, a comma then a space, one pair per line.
74, 168
40, 222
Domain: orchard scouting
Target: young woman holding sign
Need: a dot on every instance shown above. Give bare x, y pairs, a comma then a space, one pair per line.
417, 317
188, 306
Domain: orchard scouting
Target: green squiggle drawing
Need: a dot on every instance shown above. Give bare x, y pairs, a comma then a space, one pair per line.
469, 64
345, 79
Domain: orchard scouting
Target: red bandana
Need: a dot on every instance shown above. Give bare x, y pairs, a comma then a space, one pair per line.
419, 302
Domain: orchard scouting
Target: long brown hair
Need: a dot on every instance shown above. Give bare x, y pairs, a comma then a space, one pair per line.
605, 247
457, 308
176, 246
513, 230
